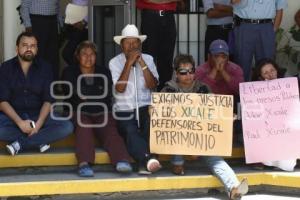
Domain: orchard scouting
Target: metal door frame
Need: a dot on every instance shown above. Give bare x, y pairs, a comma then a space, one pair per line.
129, 14
1, 31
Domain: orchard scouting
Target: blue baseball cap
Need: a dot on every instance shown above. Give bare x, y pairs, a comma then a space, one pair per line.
218, 46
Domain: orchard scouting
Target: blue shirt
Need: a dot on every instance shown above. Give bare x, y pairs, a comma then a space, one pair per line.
26, 94
209, 4
38, 7
80, 2
258, 9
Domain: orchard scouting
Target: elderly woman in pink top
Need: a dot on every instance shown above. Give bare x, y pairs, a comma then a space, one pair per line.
266, 70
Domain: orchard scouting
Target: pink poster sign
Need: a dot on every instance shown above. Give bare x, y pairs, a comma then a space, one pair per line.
271, 119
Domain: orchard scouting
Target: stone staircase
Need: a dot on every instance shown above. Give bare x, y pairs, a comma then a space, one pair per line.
54, 172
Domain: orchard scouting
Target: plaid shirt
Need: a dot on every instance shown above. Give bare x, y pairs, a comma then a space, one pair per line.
38, 7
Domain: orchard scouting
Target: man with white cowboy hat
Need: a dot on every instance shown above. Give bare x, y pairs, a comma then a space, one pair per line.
134, 76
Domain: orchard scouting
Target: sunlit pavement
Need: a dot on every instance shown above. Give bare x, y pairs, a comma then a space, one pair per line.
248, 197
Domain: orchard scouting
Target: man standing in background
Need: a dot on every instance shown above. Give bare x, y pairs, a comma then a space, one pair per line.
41, 17
219, 21
76, 33
255, 24
158, 23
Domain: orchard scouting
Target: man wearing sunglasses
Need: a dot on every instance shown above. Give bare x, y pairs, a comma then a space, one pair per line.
221, 75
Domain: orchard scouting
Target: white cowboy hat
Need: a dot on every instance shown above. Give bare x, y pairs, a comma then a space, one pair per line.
130, 31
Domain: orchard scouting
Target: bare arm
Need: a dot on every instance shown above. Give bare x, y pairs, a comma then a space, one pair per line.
24, 125
131, 59
134, 57
213, 74
45, 110
225, 76
10, 112
219, 67
278, 19
122, 82
150, 80
219, 11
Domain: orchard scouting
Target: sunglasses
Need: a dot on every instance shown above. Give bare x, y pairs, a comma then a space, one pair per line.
186, 71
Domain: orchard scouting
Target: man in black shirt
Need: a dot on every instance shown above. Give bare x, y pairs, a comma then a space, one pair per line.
25, 100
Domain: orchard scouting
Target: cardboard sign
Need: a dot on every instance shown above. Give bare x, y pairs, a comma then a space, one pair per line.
270, 115
191, 124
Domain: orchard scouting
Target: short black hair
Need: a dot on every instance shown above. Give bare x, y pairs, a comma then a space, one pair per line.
24, 34
183, 58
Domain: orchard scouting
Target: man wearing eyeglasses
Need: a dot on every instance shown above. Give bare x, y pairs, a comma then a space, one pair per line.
221, 75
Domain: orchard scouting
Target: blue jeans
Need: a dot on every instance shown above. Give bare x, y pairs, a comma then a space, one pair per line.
137, 139
51, 131
177, 160
222, 171
217, 166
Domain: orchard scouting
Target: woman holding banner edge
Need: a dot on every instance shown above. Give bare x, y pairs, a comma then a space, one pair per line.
184, 67
266, 70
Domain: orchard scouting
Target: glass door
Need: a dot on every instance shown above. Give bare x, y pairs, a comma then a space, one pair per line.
106, 19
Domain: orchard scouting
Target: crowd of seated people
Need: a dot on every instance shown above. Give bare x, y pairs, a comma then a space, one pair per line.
119, 119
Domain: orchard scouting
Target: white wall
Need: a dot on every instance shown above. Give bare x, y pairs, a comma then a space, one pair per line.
287, 22
11, 27
288, 14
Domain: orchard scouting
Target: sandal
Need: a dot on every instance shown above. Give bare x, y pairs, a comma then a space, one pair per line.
143, 171
178, 170
237, 192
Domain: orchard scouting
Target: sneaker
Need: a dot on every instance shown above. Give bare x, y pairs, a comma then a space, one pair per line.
153, 165
258, 166
13, 148
85, 171
237, 192
44, 147
143, 170
123, 167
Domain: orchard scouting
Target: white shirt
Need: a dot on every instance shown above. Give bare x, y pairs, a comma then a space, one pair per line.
126, 100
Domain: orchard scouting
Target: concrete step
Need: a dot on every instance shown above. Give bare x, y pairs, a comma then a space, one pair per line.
39, 182
66, 142
65, 156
